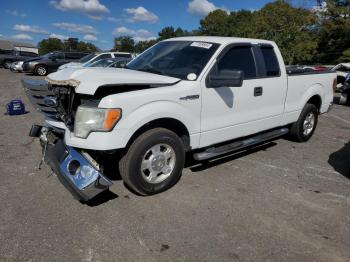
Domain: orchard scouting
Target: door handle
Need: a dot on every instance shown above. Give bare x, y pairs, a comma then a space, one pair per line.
258, 91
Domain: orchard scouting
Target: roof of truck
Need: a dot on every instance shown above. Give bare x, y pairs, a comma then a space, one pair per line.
219, 39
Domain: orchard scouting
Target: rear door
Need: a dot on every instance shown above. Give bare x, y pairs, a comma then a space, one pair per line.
232, 112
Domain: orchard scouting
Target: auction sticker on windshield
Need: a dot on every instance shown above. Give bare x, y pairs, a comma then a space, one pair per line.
202, 45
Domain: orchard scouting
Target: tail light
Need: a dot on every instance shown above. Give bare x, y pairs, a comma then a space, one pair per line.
334, 84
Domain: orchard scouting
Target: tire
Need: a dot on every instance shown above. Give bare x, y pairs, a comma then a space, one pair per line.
304, 128
7, 64
343, 99
40, 70
154, 162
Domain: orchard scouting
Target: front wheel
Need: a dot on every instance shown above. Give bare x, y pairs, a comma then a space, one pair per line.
154, 162
303, 129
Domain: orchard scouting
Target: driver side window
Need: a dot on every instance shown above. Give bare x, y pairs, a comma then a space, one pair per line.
239, 58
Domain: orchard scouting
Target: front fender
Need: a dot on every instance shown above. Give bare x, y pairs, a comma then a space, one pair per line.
157, 110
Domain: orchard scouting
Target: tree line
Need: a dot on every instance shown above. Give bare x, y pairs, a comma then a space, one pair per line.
71, 44
305, 36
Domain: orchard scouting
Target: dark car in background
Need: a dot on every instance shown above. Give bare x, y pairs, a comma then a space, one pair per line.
7, 57
50, 62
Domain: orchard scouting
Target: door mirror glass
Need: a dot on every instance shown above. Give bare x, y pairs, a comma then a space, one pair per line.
226, 78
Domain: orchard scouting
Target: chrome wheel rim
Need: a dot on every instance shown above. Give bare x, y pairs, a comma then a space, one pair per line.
158, 163
41, 71
308, 124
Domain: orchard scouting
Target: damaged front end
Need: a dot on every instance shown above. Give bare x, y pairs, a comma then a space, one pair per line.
75, 168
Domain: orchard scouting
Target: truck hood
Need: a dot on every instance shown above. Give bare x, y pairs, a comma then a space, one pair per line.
88, 80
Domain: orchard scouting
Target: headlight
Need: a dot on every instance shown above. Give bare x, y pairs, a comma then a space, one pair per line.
90, 119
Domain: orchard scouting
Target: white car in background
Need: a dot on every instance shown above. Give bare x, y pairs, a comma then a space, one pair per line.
91, 58
342, 70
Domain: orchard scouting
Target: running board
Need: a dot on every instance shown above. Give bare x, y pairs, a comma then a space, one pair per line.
237, 145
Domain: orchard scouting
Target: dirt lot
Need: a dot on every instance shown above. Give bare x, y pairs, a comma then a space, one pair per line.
281, 202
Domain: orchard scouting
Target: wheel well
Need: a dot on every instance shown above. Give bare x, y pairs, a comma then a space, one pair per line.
169, 123
316, 101
43, 65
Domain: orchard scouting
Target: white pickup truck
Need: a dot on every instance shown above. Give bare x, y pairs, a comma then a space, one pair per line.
205, 95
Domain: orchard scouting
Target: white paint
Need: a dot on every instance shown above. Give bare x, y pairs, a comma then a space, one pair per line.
218, 115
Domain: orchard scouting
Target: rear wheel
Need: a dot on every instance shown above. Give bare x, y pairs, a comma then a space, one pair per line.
154, 162
303, 129
40, 70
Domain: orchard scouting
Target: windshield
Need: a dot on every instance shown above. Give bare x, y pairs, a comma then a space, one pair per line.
86, 58
175, 58
48, 55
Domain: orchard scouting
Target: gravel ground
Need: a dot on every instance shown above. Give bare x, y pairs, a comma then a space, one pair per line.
283, 201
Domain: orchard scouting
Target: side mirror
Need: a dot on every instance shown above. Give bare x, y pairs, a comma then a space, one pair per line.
53, 58
226, 78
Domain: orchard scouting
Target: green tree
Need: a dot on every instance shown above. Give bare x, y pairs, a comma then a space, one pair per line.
124, 44
293, 29
170, 32
49, 45
143, 45
345, 56
86, 47
71, 44
334, 32
216, 23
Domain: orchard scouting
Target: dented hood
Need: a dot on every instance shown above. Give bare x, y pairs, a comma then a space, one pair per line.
87, 80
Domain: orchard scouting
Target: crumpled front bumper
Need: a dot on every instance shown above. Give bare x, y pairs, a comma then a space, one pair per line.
78, 174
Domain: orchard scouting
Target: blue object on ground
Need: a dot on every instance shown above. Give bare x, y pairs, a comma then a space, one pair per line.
16, 107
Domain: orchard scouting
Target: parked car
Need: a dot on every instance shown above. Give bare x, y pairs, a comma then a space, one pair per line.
17, 66
50, 62
110, 62
122, 63
321, 68
342, 71
206, 96
8, 57
345, 92
92, 58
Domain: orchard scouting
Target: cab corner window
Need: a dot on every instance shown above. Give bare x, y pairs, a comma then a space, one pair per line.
271, 62
239, 58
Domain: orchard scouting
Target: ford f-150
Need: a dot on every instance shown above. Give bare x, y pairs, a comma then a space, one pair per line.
205, 96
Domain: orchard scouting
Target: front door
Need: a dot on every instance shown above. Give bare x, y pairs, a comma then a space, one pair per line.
232, 112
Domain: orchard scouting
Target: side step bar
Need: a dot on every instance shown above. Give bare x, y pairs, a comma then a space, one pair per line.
237, 145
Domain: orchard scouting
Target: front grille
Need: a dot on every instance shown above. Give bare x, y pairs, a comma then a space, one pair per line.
55, 102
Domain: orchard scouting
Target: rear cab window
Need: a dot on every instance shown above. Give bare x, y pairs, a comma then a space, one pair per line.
272, 67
